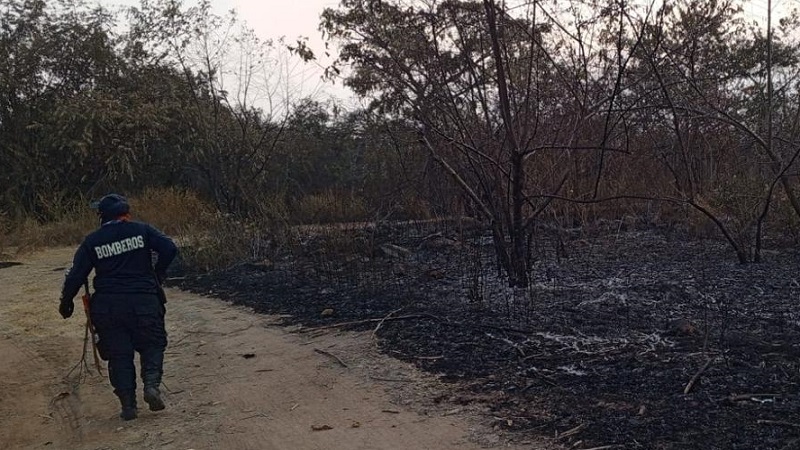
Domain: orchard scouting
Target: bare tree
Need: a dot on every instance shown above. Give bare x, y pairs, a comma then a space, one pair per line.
506, 98
714, 109
241, 89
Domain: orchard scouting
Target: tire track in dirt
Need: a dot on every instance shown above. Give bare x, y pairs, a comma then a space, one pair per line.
234, 380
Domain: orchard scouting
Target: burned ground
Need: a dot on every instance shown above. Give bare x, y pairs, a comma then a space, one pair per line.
635, 339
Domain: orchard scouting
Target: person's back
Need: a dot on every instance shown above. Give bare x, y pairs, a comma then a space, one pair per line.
127, 308
121, 255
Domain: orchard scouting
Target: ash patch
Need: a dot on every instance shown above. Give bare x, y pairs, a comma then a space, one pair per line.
600, 350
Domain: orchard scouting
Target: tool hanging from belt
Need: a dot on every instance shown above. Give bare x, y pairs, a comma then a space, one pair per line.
89, 334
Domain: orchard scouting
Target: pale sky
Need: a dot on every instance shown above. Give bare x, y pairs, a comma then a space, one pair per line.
272, 19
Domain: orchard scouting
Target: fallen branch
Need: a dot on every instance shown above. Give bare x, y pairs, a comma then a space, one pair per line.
511, 343
740, 397
571, 431
604, 447
366, 321
419, 316
220, 333
394, 380
696, 377
388, 316
331, 355
316, 334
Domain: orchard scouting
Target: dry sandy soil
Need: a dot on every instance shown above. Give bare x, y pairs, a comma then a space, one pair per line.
234, 380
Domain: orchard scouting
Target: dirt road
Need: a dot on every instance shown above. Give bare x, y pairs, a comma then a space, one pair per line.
233, 380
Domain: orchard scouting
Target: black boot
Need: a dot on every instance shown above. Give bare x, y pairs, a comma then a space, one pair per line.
128, 401
152, 369
153, 398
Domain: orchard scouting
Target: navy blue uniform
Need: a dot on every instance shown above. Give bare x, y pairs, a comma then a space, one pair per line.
126, 308
120, 253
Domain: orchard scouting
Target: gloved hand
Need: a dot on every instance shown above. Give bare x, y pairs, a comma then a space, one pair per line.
66, 307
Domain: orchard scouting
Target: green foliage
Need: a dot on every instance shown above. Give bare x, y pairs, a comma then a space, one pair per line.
54, 62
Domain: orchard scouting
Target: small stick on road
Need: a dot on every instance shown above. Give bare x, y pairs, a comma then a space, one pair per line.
396, 380
338, 360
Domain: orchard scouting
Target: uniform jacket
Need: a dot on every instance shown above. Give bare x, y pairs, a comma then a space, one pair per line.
121, 254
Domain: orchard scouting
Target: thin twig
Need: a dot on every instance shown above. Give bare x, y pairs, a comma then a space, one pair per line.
778, 422
696, 376
378, 327
221, 333
82, 365
338, 360
571, 431
738, 397
366, 321
183, 338
521, 331
396, 380
511, 343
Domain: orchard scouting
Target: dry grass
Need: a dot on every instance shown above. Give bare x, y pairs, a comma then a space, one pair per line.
329, 207
209, 239
30, 235
225, 243
176, 212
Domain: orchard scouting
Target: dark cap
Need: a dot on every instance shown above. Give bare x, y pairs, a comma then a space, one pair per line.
111, 206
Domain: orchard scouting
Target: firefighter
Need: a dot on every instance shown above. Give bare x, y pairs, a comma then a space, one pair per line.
127, 308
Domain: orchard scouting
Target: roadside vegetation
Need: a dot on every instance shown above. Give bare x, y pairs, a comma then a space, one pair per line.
560, 114
531, 194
